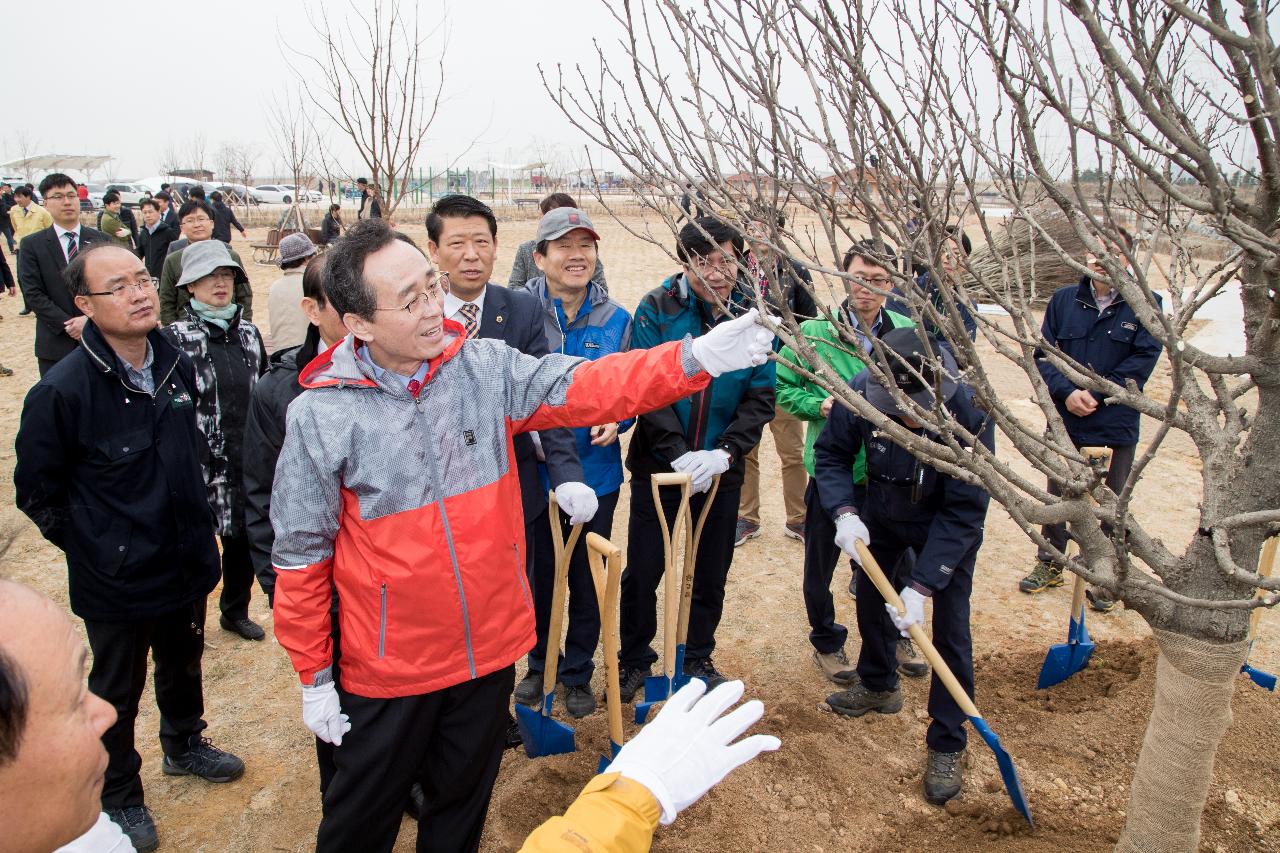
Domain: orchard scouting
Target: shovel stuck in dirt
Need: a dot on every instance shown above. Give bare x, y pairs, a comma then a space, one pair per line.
1012, 784
658, 688
1066, 659
606, 574
1266, 561
540, 733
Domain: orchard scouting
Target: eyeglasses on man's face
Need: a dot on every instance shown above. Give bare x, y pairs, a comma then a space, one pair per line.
438, 287
57, 197
142, 284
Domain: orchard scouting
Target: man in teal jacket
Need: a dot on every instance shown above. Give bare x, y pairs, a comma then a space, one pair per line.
704, 435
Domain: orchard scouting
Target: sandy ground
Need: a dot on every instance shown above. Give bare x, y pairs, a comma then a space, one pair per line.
837, 784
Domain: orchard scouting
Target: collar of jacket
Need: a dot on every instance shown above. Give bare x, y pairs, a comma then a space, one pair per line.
210, 328
340, 366
164, 354
1084, 294
538, 287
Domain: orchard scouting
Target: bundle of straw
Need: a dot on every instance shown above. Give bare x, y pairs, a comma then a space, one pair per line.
1021, 263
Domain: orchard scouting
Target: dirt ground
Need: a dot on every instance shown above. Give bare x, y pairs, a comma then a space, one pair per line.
836, 784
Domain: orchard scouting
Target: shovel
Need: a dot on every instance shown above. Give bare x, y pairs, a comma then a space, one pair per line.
1266, 561
606, 573
1066, 659
1012, 784
540, 734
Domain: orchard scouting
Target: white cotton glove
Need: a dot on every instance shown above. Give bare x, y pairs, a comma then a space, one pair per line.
688, 748
849, 528
322, 713
702, 465
914, 602
578, 501
734, 345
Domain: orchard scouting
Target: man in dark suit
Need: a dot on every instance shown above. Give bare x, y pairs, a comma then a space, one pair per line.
155, 237
42, 257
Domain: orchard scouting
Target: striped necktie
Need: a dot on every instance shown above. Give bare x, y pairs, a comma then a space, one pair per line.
469, 311
72, 248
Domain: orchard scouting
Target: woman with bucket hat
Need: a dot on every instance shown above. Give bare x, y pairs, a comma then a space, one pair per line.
229, 357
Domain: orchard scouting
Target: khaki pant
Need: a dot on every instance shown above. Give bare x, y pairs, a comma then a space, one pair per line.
788, 440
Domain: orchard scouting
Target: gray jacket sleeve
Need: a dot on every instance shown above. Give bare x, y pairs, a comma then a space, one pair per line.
523, 268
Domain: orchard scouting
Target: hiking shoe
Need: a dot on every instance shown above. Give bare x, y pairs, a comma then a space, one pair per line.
909, 662
858, 700
631, 682
5, 371
794, 530
529, 690
835, 666
943, 776
745, 530
136, 822
1099, 600
206, 761
578, 700
514, 741
1044, 576
245, 627
706, 670
416, 806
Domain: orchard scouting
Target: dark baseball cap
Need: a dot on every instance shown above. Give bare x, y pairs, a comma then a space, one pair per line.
908, 359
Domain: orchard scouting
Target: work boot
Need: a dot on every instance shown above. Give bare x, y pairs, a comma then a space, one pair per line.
1099, 600
529, 690
243, 626
631, 681
835, 666
794, 530
706, 670
136, 822
1044, 576
206, 761
578, 700
744, 531
858, 700
909, 663
943, 776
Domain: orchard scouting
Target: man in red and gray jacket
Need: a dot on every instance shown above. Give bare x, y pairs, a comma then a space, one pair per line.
397, 485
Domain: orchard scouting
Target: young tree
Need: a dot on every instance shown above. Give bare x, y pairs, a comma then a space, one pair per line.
891, 120
376, 79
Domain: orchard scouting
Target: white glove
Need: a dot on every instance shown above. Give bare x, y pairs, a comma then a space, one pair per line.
734, 345
322, 713
914, 602
687, 748
850, 528
702, 465
578, 501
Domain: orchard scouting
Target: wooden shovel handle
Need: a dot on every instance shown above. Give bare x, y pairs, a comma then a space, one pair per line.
940, 668
670, 589
563, 553
692, 538
606, 573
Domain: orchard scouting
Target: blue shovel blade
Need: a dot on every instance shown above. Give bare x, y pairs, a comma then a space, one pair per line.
657, 688
1012, 784
1265, 680
1066, 659
606, 760
540, 734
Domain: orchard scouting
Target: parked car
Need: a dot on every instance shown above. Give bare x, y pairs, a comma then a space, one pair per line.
273, 194
304, 194
131, 195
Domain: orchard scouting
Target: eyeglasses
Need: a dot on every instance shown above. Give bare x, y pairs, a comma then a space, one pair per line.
196, 220
880, 282
142, 285
719, 262
62, 197
436, 289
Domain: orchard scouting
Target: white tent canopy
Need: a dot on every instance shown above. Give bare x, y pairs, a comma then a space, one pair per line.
55, 163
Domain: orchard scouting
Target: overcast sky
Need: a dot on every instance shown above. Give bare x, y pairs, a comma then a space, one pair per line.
129, 78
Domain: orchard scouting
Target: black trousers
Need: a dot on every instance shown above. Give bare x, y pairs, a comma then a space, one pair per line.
821, 554
639, 601
44, 365
450, 740
1121, 465
237, 577
119, 674
576, 665
878, 657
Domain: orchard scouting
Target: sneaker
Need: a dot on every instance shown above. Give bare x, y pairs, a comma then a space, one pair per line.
858, 700
529, 690
24, 312
206, 761
631, 681
706, 670
245, 627
136, 822
578, 700
909, 662
745, 530
5, 371
943, 776
416, 806
835, 666
1099, 600
1044, 576
514, 741
794, 530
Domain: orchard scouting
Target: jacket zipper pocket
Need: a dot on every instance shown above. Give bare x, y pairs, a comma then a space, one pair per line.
524, 581
382, 624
